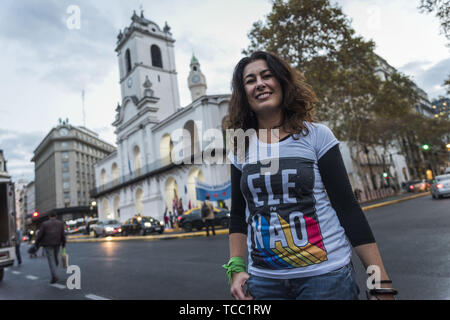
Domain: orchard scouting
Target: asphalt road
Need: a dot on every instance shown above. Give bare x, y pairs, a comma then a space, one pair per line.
413, 237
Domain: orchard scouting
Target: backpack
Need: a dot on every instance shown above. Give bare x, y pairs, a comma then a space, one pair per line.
205, 210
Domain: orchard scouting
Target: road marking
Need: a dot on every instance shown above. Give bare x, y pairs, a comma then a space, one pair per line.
94, 297
59, 286
31, 277
16, 272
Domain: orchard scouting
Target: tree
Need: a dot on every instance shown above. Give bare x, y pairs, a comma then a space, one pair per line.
300, 31
442, 11
447, 84
317, 39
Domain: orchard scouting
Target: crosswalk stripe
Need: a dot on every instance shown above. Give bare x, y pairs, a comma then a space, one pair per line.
31, 277
16, 272
59, 286
95, 297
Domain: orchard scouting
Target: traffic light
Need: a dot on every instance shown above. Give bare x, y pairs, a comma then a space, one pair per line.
425, 146
385, 175
35, 214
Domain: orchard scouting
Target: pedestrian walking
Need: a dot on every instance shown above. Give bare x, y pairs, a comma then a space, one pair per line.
51, 236
207, 211
166, 219
295, 236
18, 243
180, 208
171, 219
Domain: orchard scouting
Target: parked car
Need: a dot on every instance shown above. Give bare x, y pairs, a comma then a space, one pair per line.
409, 185
422, 186
192, 219
142, 226
441, 187
106, 228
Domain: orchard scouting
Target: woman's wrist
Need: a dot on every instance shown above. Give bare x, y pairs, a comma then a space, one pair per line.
235, 265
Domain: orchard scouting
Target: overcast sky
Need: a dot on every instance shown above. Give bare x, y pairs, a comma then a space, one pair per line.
45, 65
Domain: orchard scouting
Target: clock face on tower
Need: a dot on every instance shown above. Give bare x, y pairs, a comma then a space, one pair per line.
130, 82
63, 131
196, 78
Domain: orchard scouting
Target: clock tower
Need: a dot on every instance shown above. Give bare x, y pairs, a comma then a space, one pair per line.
148, 77
196, 80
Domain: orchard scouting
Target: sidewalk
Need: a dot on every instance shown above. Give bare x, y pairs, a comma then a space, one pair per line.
179, 233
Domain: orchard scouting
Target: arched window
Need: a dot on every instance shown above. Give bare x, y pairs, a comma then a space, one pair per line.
137, 159
128, 60
165, 149
115, 173
105, 214
103, 177
156, 56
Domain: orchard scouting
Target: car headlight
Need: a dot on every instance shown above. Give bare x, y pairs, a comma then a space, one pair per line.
147, 224
161, 223
108, 229
228, 215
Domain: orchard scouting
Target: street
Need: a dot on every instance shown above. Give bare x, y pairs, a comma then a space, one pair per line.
413, 238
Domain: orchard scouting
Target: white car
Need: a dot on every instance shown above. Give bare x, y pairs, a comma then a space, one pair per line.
107, 228
441, 187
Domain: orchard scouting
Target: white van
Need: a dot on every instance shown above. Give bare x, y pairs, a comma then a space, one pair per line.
7, 225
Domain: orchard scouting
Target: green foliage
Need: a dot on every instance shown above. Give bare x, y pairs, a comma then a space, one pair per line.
442, 12
359, 104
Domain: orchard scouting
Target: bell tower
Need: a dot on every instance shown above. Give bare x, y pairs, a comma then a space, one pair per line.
147, 73
196, 80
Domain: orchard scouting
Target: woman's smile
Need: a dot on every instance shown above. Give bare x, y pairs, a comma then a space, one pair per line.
263, 90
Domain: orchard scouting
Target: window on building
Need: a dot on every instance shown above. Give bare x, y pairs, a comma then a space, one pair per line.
127, 61
64, 145
65, 176
156, 56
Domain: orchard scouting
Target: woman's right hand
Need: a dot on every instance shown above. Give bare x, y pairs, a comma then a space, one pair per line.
238, 281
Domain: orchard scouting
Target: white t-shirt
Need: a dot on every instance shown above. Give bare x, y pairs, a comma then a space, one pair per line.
293, 231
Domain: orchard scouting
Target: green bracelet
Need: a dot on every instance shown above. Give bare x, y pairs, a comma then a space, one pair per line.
234, 265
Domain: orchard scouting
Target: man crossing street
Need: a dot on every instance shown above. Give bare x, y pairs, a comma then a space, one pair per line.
208, 216
51, 236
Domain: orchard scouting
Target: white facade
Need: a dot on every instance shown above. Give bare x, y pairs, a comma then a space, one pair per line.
141, 178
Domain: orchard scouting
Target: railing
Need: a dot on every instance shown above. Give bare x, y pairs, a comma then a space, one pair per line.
148, 169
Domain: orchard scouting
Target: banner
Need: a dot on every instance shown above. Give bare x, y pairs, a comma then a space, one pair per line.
219, 192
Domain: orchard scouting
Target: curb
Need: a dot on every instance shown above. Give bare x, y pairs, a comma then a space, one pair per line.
169, 236
382, 204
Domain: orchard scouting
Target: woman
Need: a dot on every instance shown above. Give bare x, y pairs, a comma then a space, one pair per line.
296, 241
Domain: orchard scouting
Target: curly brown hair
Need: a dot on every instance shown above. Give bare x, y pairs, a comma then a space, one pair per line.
298, 97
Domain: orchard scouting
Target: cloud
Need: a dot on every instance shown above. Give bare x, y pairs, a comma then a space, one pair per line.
38, 36
18, 150
429, 76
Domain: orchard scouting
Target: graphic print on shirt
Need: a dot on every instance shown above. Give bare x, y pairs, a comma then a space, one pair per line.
285, 232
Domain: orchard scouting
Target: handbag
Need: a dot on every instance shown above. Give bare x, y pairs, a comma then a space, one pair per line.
64, 259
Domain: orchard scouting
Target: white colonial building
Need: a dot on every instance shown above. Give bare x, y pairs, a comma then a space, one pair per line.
142, 176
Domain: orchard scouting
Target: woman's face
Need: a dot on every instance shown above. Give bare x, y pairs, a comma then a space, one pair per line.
264, 93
